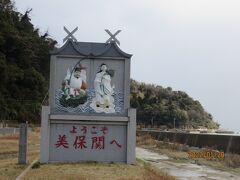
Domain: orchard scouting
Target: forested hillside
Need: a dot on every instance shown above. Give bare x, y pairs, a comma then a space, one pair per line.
24, 65
162, 106
24, 73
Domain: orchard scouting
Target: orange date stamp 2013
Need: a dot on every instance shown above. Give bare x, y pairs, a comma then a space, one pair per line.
206, 155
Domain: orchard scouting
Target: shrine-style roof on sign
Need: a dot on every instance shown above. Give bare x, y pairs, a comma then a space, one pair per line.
91, 49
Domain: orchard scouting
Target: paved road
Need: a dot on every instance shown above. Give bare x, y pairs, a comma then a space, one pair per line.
8, 130
184, 171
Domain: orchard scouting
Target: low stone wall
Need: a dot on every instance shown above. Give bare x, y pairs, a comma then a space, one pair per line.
226, 143
8, 130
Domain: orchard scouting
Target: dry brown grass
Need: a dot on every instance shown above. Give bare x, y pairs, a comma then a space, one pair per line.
153, 174
145, 140
232, 160
173, 150
10, 137
97, 171
9, 169
178, 153
36, 129
172, 146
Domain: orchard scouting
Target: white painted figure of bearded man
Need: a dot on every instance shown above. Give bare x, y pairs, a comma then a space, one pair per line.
75, 84
104, 91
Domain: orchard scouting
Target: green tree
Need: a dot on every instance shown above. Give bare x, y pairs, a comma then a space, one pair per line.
163, 106
24, 65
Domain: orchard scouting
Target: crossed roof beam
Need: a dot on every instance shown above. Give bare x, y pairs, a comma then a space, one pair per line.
111, 39
113, 36
70, 34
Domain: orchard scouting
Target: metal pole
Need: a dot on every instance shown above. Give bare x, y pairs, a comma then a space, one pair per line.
22, 156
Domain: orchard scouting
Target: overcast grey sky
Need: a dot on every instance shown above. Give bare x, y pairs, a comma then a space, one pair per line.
189, 45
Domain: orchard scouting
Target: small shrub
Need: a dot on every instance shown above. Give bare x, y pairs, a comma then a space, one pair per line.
175, 146
232, 160
35, 129
154, 174
36, 165
171, 146
166, 140
185, 148
145, 139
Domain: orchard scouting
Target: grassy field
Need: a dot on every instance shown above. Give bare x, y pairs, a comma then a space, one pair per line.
9, 169
91, 170
179, 153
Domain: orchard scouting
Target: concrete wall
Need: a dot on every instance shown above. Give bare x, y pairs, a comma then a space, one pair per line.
226, 143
